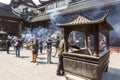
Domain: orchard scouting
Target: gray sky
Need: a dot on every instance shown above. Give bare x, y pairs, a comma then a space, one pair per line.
5, 1
8, 1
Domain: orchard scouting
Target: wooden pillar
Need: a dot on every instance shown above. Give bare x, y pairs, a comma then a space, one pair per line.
96, 41
31, 28
107, 40
66, 36
20, 26
86, 40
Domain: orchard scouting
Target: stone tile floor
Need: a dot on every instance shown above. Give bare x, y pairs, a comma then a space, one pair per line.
13, 68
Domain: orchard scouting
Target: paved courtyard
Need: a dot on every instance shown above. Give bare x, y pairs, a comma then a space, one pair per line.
13, 68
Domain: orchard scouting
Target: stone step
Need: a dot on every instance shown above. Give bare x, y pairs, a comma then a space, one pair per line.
72, 77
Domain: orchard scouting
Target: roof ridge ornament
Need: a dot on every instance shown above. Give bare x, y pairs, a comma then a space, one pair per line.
80, 13
106, 15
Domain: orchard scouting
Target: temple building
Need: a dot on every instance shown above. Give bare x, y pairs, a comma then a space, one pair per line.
8, 20
90, 28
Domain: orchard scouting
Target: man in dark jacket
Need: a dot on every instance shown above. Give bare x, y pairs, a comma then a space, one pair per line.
41, 44
57, 41
60, 69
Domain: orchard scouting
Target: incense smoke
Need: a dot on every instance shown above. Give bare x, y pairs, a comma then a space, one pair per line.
113, 19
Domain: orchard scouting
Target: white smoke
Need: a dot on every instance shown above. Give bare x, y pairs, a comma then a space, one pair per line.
54, 16
117, 29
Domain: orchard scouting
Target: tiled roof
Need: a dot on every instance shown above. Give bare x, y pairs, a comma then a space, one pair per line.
81, 20
15, 3
5, 11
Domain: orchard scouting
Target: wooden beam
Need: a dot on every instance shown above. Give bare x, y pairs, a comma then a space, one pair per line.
96, 41
66, 36
107, 40
20, 26
86, 40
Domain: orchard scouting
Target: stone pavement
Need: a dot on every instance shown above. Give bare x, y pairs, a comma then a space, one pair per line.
114, 68
13, 68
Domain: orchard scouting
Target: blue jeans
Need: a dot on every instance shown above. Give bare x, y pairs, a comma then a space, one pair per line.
17, 51
49, 55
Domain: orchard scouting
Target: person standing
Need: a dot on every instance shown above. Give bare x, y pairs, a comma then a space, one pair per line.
49, 49
60, 68
34, 50
41, 44
102, 45
89, 42
57, 41
17, 47
8, 44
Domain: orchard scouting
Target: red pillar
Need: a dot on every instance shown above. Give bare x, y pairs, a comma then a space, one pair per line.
20, 26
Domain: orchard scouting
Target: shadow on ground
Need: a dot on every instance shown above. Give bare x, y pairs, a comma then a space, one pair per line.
12, 53
41, 54
112, 74
41, 62
41, 58
24, 57
11, 50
